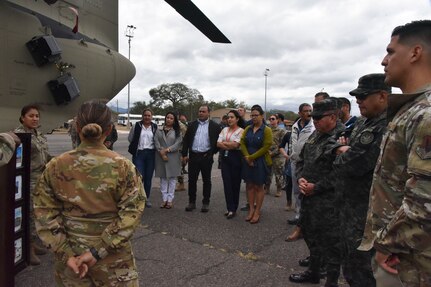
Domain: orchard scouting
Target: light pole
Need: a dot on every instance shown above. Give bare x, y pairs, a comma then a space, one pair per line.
266, 82
129, 34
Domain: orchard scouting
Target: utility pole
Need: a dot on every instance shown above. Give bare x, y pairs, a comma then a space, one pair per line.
129, 34
266, 82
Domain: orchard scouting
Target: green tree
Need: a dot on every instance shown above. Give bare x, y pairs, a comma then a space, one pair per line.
138, 107
172, 95
232, 103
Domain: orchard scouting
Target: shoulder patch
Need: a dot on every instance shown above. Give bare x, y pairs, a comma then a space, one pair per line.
366, 138
424, 150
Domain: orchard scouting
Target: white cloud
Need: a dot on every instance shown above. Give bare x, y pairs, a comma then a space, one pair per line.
308, 45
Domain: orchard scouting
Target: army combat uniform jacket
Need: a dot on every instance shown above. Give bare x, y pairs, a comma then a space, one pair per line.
7, 148
399, 215
319, 219
354, 174
39, 153
89, 197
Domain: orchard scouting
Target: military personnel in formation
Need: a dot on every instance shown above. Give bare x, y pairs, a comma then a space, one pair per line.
398, 220
88, 203
354, 168
278, 159
8, 143
30, 122
319, 219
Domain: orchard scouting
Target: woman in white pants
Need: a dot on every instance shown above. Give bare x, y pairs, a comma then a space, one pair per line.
168, 163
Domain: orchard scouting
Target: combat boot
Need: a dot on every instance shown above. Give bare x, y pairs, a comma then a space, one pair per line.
180, 187
267, 187
289, 206
332, 279
278, 192
34, 259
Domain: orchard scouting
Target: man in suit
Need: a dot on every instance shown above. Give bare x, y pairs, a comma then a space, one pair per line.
199, 146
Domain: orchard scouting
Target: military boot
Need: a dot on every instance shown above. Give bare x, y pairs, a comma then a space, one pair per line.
180, 187
278, 192
332, 279
267, 187
34, 259
289, 206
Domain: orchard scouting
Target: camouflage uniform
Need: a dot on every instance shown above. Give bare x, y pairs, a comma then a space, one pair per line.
319, 217
278, 159
354, 174
183, 129
7, 148
39, 159
398, 219
90, 197
74, 136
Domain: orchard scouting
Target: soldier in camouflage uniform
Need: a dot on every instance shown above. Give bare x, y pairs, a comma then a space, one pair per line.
319, 219
354, 166
8, 142
88, 203
180, 178
39, 158
74, 137
398, 221
278, 159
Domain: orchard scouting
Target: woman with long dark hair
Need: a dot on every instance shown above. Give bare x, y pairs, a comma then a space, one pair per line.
228, 144
30, 123
168, 162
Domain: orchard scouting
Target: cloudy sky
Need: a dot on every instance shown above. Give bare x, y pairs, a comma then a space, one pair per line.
308, 45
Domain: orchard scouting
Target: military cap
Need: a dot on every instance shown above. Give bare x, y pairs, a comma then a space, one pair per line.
324, 107
369, 84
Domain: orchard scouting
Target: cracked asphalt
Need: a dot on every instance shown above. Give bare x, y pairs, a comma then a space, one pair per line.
178, 248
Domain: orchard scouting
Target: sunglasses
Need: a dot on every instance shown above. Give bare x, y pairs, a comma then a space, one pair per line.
272, 119
318, 118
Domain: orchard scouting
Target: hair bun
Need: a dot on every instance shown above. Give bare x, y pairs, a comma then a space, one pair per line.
92, 131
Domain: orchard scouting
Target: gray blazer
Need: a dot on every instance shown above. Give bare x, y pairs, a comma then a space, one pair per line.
172, 167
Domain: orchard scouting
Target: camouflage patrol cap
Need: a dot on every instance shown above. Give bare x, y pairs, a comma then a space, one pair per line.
324, 107
369, 84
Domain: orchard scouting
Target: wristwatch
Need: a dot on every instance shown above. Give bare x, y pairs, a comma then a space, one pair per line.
95, 253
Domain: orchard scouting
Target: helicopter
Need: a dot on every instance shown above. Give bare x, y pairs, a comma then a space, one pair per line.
59, 54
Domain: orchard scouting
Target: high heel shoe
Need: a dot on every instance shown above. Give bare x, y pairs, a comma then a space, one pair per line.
296, 235
255, 218
249, 216
163, 205
169, 205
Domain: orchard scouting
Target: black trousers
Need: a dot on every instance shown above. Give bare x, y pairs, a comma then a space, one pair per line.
200, 163
231, 174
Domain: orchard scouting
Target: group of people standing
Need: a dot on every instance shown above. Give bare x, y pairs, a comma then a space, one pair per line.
362, 190
364, 187
244, 151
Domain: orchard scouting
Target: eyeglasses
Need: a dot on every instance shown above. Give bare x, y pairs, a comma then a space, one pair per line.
254, 115
272, 119
318, 118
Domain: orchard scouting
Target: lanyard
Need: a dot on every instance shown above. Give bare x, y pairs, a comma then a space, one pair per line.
227, 133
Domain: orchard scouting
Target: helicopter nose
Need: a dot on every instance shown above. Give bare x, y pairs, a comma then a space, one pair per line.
124, 72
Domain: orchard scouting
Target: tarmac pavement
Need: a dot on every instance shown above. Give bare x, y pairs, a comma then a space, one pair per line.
178, 248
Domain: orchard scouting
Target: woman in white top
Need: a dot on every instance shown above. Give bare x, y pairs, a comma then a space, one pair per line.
228, 143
